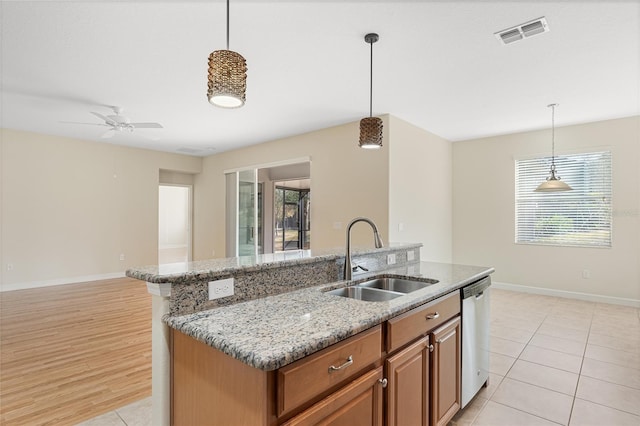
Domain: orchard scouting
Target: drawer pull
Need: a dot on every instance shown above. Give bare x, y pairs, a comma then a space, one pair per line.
431, 348
345, 365
383, 382
433, 316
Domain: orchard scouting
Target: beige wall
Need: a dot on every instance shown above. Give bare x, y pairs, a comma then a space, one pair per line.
420, 193
71, 207
346, 182
484, 209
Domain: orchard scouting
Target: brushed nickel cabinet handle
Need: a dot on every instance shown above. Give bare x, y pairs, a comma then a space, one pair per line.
433, 316
383, 382
340, 367
430, 348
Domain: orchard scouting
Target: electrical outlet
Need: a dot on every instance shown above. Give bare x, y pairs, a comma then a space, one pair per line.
400, 227
122, 256
9, 266
220, 288
391, 259
411, 255
586, 274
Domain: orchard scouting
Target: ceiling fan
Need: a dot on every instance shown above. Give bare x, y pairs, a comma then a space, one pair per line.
119, 123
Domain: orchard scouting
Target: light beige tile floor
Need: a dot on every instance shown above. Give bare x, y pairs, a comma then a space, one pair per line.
554, 361
136, 414
559, 361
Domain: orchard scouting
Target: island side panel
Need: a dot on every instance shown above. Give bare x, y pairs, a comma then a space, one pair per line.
212, 388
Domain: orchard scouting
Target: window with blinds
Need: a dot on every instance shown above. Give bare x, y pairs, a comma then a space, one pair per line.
579, 218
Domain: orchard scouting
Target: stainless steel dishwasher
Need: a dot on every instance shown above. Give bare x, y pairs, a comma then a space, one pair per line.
475, 338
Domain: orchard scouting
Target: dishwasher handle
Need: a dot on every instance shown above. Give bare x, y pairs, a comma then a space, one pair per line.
475, 288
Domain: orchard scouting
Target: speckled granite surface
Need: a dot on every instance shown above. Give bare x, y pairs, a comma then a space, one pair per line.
274, 331
263, 276
178, 273
193, 296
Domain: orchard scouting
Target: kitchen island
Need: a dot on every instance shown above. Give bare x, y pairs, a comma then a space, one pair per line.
274, 331
240, 363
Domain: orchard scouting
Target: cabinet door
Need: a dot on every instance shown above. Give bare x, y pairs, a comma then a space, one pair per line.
408, 385
445, 372
357, 404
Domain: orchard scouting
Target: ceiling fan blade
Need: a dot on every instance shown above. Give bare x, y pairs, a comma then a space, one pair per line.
105, 119
108, 134
90, 124
147, 125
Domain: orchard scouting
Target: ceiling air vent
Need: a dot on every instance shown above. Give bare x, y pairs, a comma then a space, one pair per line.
187, 150
528, 29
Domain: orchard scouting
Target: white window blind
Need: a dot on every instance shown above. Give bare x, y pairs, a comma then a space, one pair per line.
581, 217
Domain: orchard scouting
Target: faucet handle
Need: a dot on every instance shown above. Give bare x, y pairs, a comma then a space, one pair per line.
355, 268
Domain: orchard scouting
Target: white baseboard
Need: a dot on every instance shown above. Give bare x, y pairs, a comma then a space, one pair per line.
59, 281
567, 294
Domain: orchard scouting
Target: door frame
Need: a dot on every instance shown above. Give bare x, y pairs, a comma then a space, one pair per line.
189, 216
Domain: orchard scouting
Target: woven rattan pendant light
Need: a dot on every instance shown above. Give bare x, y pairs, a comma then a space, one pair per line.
371, 127
553, 182
227, 76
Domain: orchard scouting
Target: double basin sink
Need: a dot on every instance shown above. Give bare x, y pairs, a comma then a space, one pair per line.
381, 289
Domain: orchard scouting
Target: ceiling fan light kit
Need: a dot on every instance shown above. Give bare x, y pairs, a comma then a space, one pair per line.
227, 83
371, 127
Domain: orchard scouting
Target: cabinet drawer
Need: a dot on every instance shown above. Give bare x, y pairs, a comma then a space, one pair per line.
410, 325
358, 403
309, 377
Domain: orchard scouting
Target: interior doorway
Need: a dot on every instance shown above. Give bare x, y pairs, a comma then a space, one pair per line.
174, 223
268, 208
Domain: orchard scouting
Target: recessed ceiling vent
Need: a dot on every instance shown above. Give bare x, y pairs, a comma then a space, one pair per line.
528, 29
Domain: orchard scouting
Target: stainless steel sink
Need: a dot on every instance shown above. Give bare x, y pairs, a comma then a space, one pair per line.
381, 289
366, 294
397, 284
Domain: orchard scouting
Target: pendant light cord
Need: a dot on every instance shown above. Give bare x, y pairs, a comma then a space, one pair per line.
371, 83
227, 24
553, 135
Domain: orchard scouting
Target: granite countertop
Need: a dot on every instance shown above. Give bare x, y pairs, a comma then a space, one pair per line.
210, 269
274, 331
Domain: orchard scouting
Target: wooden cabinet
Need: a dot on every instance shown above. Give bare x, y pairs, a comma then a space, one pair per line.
445, 372
341, 385
407, 375
309, 377
357, 404
419, 321
336, 386
209, 387
424, 377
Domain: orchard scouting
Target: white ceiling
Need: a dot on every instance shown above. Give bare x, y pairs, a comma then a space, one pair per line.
437, 65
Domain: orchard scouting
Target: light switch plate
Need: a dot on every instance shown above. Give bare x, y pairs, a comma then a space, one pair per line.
220, 288
391, 259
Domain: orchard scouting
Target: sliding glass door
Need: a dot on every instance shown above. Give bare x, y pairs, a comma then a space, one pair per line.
293, 222
244, 214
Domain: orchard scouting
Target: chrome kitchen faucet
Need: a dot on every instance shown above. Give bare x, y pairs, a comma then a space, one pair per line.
348, 269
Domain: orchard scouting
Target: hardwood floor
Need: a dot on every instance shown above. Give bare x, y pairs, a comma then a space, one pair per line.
69, 353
